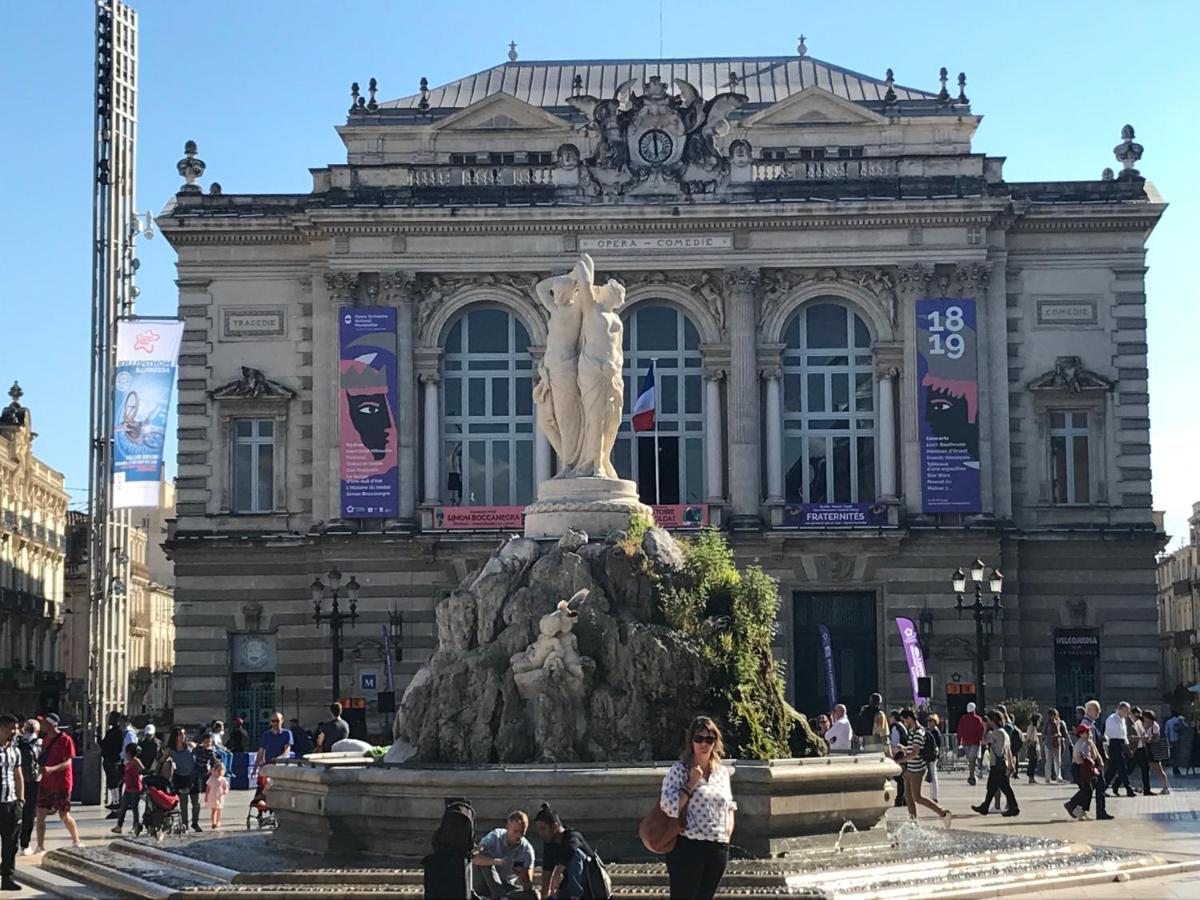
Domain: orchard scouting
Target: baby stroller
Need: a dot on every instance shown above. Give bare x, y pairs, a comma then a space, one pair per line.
260, 812
162, 808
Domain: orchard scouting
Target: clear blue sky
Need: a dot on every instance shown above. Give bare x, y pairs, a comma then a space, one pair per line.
260, 86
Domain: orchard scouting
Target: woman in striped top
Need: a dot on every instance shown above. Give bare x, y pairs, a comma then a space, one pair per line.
912, 758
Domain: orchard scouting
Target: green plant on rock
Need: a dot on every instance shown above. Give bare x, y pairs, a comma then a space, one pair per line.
731, 616
631, 542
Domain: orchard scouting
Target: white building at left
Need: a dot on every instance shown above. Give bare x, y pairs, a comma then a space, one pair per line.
33, 515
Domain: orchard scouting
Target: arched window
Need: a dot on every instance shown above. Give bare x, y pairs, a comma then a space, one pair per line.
487, 430
828, 407
663, 334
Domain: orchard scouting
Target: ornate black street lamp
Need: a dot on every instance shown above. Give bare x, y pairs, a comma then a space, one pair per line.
985, 615
335, 617
925, 629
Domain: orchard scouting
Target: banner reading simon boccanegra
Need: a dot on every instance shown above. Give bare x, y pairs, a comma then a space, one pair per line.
367, 452
948, 404
143, 380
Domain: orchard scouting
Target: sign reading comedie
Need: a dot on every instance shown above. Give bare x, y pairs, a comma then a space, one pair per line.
665, 242
948, 404
367, 452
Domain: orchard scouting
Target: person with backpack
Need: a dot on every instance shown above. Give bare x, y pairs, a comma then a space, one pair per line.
914, 757
30, 746
1003, 767
503, 866
698, 792
897, 741
570, 869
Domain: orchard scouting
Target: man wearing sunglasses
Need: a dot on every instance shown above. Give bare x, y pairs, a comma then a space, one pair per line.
276, 743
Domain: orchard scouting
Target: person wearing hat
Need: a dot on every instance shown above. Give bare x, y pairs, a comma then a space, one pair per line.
1086, 757
971, 730
54, 791
149, 747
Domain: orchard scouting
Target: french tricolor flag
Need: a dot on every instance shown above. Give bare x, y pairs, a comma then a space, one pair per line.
643, 406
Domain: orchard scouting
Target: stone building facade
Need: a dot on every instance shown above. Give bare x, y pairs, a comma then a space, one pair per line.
780, 224
1179, 618
33, 521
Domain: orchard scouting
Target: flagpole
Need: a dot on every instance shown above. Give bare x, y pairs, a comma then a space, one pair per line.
657, 481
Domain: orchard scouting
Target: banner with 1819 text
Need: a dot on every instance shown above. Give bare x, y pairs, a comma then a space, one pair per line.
367, 454
143, 381
948, 404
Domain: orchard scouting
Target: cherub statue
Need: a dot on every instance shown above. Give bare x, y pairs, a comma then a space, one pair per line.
556, 648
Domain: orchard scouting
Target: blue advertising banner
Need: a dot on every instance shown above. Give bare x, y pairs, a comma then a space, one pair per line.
144, 378
833, 515
368, 456
948, 404
827, 651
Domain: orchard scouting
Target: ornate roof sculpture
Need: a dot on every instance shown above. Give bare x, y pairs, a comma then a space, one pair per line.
1070, 375
253, 385
14, 413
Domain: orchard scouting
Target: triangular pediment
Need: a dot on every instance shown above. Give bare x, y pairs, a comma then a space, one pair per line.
814, 106
503, 112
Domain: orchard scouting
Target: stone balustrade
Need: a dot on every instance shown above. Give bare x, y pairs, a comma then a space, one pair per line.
480, 176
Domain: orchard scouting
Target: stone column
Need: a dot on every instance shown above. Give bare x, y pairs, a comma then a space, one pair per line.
399, 293
745, 471
774, 435
714, 444
433, 439
341, 290
912, 284
543, 464
887, 433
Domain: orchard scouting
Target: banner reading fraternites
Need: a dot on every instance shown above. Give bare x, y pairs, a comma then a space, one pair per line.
143, 382
368, 457
948, 404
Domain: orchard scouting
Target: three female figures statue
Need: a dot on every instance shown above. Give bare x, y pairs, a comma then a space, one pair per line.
581, 387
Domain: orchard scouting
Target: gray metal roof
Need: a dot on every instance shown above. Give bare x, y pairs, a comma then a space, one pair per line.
765, 80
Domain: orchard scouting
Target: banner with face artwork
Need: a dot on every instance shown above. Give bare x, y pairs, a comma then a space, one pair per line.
948, 404
367, 452
144, 378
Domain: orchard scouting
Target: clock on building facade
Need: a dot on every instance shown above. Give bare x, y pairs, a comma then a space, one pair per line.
655, 146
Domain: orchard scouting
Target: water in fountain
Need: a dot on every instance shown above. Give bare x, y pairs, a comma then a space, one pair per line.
837, 848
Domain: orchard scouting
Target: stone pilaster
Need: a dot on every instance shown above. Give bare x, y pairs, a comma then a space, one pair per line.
341, 289
912, 283
398, 292
714, 441
745, 475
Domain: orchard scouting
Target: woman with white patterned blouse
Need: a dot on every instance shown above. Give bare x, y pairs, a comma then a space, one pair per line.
697, 790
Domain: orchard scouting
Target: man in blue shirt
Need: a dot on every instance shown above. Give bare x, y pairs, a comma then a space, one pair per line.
276, 743
503, 866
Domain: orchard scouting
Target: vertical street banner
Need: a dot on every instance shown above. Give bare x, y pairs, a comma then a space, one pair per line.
912, 655
948, 404
827, 652
144, 378
367, 453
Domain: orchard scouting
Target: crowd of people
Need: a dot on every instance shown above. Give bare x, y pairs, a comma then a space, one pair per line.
1100, 755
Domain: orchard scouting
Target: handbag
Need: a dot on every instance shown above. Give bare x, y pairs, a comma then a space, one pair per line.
658, 831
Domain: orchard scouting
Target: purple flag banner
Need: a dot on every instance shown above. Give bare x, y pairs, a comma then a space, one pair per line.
948, 404
827, 652
912, 654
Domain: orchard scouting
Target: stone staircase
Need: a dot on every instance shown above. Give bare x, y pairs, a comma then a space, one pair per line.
1000, 866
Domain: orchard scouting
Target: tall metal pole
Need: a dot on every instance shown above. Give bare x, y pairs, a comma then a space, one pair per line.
981, 691
335, 628
113, 160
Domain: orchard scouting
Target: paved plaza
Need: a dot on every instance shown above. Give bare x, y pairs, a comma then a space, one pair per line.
1167, 826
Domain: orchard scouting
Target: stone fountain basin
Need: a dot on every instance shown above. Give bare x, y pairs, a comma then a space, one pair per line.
356, 807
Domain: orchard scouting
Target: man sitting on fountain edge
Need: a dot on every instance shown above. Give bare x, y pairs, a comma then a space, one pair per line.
504, 864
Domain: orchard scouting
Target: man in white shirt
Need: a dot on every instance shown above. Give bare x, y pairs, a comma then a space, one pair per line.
1116, 733
1174, 733
840, 734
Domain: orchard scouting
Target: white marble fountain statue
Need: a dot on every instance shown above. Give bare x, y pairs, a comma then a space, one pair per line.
578, 397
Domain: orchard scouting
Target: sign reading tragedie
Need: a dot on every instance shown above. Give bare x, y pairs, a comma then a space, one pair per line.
144, 378
948, 404
368, 457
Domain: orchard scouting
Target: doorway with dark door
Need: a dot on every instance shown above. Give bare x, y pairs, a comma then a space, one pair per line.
850, 618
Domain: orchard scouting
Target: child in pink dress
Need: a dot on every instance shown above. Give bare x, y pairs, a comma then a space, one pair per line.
215, 790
